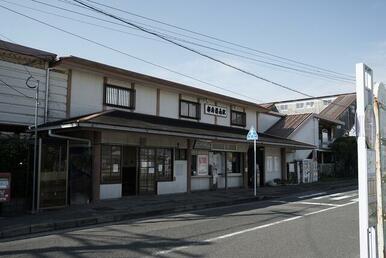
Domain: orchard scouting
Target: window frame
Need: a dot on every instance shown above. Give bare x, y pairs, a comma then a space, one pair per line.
283, 107
244, 118
156, 162
198, 109
110, 146
131, 94
300, 105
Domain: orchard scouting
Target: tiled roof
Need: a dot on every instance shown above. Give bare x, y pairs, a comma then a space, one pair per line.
122, 120
12, 47
338, 106
288, 124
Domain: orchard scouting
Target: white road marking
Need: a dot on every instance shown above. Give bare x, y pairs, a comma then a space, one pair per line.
343, 197
308, 203
310, 195
326, 196
250, 229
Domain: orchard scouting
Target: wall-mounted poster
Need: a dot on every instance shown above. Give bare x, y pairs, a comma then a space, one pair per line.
202, 165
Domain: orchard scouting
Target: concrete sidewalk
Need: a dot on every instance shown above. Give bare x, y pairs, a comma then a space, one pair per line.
145, 206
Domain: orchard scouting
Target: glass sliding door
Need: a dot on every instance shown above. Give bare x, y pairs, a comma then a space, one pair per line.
80, 167
53, 174
147, 170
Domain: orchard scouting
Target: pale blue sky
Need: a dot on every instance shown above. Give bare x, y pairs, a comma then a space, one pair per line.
331, 34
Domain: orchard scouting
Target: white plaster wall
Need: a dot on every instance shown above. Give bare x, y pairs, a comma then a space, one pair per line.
209, 119
86, 93
275, 171
307, 133
110, 191
251, 118
145, 100
169, 104
179, 185
200, 183
225, 121
265, 121
220, 182
235, 180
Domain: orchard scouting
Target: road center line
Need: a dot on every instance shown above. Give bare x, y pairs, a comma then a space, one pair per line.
214, 239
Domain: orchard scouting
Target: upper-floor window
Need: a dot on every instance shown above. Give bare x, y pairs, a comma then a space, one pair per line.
300, 105
238, 118
327, 101
119, 97
284, 107
309, 104
189, 109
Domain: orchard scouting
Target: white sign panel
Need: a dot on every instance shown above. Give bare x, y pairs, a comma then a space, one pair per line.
366, 160
252, 134
202, 165
215, 110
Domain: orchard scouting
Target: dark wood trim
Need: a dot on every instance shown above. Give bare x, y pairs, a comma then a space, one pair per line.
158, 102
189, 166
198, 109
283, 164
215, 117
69, 88
244, 118
104, 92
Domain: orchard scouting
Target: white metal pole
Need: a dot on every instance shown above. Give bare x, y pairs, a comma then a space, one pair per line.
362, 162
35, 149
378, 175
254, 166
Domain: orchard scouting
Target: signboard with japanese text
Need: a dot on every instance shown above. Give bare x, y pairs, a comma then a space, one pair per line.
215, 110
202, 165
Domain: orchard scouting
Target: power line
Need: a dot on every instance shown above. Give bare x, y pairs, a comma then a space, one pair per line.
126, 54
14, 89
322, 75
325, 75
329, 77
196, 51
25, 68
218, 39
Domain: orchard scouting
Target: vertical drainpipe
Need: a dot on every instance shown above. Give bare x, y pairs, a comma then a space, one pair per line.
47, 95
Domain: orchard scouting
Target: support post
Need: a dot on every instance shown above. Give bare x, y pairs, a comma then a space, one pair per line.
96, 152
189, 166
254, 167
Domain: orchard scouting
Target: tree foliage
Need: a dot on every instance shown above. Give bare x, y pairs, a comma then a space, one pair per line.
346, 157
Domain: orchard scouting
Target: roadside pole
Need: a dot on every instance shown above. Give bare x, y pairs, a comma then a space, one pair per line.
254, 166
366, 136
252, 135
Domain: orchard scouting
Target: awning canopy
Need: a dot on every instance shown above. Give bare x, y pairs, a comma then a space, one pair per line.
141, 123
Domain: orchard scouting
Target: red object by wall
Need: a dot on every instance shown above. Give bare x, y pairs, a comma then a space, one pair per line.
5, 187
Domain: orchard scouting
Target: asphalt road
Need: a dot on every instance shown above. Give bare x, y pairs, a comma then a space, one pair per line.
308, 225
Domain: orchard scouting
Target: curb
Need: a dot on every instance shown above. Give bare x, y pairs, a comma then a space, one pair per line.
121, 216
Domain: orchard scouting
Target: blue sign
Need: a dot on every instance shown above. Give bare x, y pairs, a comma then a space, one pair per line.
252, 134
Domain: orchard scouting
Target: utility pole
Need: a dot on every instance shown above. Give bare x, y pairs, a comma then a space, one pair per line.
35, 143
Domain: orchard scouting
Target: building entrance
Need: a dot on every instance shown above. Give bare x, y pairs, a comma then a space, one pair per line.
129, 171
